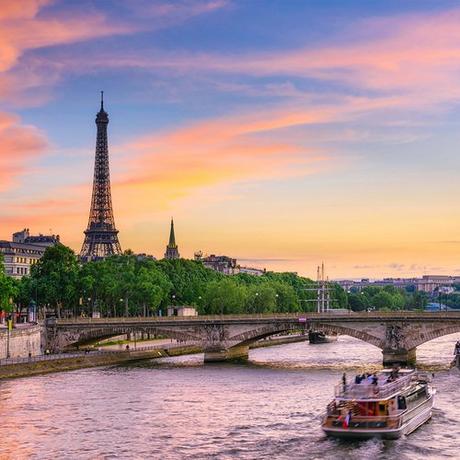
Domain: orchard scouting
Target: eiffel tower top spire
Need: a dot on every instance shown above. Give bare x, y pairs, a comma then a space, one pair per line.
101, 236
102, 116
172, 251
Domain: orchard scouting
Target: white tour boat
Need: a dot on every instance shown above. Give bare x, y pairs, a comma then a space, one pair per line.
388, 405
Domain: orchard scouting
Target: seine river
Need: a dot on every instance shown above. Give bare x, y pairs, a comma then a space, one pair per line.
180, 409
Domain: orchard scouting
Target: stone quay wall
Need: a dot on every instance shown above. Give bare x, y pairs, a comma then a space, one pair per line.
90, 360
22, 341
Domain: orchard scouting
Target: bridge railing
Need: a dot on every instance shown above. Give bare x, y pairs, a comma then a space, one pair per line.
300, 317
178, 318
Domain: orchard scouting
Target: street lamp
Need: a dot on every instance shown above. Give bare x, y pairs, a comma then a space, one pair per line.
9, 327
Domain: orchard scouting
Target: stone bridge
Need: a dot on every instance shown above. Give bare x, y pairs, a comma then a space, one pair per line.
228, 337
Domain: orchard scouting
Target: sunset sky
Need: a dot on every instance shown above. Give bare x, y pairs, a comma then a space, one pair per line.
282, 133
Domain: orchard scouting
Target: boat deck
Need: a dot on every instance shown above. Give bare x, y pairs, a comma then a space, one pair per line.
384, 389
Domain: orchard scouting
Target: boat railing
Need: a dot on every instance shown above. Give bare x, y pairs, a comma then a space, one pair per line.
371, 391
363, 422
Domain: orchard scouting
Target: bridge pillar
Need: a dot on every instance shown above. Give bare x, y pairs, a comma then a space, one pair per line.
400, 357
238, 353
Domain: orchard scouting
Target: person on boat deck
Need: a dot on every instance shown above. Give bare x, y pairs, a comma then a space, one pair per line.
457, 348
344, 381
375, 379
358, 379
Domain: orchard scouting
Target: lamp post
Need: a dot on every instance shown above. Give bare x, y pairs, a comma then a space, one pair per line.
121, 303
126, 306
9, 327
32, 312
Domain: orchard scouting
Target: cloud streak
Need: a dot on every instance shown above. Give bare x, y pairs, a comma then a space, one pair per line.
415, 57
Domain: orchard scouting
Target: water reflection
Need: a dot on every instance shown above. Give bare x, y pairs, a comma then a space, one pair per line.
177, 408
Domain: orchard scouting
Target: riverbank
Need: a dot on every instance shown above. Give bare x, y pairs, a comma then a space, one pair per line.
23, 340
92, 359
98, 358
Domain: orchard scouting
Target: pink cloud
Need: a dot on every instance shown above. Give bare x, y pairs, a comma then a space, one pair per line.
24, 29
19, 145
181, 10
414, 55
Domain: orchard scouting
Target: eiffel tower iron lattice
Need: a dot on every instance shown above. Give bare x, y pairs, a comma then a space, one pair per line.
101, 236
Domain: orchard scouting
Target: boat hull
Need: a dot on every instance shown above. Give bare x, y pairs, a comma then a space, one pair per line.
314, 338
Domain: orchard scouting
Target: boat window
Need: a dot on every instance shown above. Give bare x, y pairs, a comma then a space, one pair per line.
402, 403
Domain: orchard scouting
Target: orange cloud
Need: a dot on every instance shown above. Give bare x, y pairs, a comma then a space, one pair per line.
219, 151
256, 146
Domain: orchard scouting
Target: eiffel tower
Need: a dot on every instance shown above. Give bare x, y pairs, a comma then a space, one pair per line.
101, 236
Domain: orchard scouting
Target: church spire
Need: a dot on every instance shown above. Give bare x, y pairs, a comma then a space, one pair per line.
172, 251
172, 237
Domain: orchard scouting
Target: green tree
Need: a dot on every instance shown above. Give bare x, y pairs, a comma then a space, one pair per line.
286, 297
357, 301
8, 289
383, 301
261, 299
56, 275
417, 301
224, 296
151, 288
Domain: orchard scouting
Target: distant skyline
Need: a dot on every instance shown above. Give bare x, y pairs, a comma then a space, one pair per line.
283, 133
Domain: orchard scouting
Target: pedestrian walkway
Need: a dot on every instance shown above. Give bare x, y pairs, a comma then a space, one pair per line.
56, 356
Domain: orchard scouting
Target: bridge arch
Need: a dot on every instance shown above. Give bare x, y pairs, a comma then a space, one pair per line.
86, 336
432, 334
254, 335
246, 338
343, 330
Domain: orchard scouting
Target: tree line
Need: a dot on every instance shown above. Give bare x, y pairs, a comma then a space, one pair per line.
129, 285
387, 298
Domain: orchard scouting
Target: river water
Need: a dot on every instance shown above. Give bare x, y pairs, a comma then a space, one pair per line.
178, 408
